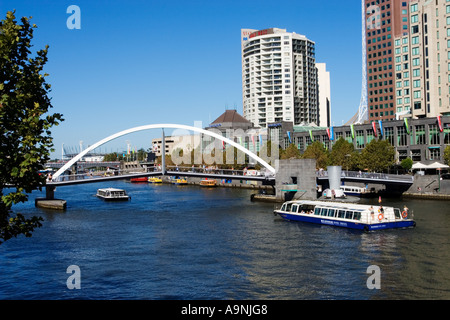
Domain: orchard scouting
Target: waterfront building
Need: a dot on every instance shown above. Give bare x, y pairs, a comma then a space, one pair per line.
422, 61
323, 77
235, 127
422, 139
280, 78
407, 47
179, 140
386, 20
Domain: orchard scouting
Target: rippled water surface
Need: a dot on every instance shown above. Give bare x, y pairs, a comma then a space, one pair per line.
187, 242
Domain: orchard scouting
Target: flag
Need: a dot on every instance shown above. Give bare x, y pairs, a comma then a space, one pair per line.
406, 124
310, 134
260, 140
289, 136
253, 141
353, 131
328, 133
381, 127
440, 123
331, 133
374, 128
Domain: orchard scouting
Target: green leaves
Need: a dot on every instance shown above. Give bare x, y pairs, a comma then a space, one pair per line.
25, 136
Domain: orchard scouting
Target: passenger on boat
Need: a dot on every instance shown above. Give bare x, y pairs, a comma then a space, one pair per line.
371, 212
405, 212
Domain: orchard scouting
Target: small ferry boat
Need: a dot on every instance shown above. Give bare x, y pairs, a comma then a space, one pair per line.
347, 215
154, 180
141, 179
208, 183
112, 194
179, 181
356, 191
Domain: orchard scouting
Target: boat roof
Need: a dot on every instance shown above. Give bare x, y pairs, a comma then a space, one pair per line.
349, 205
111, 189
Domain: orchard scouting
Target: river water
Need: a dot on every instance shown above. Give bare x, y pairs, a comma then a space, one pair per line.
188, 242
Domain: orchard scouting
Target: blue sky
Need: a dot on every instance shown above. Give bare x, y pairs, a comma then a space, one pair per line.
145, 62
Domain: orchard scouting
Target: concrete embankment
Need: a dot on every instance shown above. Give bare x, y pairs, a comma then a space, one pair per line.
54, 204
429, 187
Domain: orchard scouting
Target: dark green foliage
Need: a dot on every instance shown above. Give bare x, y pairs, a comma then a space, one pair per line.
25, 140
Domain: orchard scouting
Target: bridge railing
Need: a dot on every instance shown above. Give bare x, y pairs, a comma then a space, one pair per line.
93, 174
370, 175
181, 170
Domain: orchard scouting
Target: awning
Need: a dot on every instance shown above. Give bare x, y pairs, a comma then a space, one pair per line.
419, 165
435, 165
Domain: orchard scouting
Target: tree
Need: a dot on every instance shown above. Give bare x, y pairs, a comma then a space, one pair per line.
291, 152
447, 155
317, 151
378, 155
407, 164
341, 154
25, 137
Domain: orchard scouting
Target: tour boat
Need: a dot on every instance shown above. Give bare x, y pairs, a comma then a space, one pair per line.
112, 194
141, 179
355, 191
208, 183
347, 215
154, 180
179, 181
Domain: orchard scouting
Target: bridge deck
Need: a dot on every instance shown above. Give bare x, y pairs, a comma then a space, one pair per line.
71, 180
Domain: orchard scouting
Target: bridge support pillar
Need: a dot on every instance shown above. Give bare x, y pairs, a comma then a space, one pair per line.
49, 202
163, 153
295, 179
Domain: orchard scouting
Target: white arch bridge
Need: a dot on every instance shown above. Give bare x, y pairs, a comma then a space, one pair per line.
57, 181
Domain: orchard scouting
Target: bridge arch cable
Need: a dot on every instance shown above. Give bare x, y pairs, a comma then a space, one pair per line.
161, 126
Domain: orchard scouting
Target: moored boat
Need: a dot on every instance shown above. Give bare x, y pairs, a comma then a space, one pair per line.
112, 194
347, 215
140, 179
179, 181
154, 180
208, 183
356, 191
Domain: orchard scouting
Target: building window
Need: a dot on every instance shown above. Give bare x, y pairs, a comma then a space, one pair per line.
360, 139
389, 134
402, 138
435, 153
434, 134
447, 135
420, 134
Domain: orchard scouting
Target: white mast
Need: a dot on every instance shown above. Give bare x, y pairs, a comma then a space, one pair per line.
363, 110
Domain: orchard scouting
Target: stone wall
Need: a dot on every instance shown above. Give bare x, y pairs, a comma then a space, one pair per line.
297, 175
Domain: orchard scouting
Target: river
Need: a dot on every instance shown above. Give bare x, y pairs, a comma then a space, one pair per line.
187, 242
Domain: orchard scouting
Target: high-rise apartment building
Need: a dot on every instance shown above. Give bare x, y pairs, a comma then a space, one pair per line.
386, 19
423, 88
407, 44
279, 77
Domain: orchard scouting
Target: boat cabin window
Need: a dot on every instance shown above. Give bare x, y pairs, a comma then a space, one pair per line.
324, 212
397, 213
331, 212
317, 211
294, 208
288, 207
341, 214
283, 207
348, 214
357, 215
